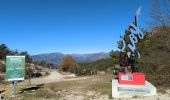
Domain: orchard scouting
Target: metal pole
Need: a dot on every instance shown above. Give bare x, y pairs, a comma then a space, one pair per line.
14, 88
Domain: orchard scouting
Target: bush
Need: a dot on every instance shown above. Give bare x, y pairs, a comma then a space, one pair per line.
68, 64
1, 79
92, 67
2, 68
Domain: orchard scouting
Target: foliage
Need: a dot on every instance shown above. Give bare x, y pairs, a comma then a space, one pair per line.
2, 68
43, 63
115, 55
4, 51
68, 64
28, 59
92, 67
155, 54
50, 65
28, 73
160, 14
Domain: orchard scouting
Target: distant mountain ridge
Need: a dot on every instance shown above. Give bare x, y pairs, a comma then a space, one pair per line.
57, 57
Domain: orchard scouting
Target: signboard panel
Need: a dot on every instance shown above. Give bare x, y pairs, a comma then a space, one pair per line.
133, 90
132, 79
126, 78
15, 68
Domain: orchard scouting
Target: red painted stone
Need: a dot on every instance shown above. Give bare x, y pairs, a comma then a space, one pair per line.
132, 79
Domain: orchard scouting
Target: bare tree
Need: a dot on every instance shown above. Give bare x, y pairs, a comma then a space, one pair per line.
160, 14
28, 73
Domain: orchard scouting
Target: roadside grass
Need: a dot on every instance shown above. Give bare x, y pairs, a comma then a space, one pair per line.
64, 85
110, 96
44, 93
162, 89
94, 83
102, 84
104, 88
1, 79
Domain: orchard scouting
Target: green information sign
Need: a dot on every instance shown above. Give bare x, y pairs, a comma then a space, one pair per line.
15, 68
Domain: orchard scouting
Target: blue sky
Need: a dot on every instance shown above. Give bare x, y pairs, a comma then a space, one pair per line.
67, 26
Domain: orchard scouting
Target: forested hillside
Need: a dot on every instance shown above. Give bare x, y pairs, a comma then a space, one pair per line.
155, 59
93, 67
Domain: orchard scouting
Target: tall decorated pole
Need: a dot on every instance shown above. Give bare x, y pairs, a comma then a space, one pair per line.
127, 44
135, 33
130, 82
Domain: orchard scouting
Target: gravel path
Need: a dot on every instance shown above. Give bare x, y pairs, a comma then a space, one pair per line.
54, 76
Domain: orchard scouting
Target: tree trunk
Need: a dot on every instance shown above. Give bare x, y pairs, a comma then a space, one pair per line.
29, 78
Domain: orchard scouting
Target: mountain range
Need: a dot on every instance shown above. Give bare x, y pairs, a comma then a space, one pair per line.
57, 57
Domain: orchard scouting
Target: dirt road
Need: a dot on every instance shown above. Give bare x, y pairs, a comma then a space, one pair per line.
54, 76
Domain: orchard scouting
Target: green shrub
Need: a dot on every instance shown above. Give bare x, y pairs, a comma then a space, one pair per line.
92, 67
2, 69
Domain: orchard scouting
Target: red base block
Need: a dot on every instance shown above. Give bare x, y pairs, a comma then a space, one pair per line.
132, 79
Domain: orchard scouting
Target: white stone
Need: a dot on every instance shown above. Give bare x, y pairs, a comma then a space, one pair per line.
128, 91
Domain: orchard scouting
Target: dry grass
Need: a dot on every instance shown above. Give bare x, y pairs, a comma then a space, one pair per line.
93, 83
99, 84
44, 93
102, 84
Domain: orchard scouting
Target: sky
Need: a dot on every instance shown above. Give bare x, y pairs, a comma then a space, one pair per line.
67, 26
